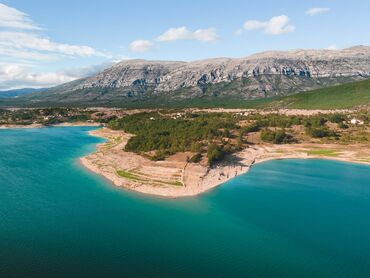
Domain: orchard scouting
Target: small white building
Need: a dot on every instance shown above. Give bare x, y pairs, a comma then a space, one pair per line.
355, 121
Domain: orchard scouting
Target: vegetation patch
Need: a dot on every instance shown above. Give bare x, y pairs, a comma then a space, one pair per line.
168, 134
323, 152
174, 183
276, 136
196, 158
336, 97
134, 177
158, 135
45, 116
320, 132
214, 153
130, 176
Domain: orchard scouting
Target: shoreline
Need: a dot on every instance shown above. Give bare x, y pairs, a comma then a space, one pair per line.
66, 124
175, 177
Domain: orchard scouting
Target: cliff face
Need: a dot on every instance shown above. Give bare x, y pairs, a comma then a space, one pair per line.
169, 76
261, 75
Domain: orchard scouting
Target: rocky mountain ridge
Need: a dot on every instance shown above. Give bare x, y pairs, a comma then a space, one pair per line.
170, 76
262, 75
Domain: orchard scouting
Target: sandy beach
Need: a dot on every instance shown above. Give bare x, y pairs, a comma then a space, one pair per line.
175, 177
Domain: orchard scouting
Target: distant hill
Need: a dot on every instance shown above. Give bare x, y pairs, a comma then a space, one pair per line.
212, 82
18, 92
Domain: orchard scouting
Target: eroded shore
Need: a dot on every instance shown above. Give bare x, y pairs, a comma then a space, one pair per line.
176, 177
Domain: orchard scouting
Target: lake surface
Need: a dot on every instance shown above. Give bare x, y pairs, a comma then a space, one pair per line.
291, 218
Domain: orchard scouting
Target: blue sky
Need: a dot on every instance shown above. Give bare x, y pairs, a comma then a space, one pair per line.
43, 43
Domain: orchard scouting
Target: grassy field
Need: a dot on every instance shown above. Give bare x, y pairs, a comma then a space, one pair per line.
337, 97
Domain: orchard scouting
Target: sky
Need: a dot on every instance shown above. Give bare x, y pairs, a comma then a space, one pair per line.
45, 43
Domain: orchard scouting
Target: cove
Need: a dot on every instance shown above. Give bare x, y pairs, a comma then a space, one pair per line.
289, 218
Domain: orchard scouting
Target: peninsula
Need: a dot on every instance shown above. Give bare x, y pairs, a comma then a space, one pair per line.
184, 152
176, 154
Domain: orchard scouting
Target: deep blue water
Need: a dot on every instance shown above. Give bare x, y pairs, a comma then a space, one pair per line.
291, 218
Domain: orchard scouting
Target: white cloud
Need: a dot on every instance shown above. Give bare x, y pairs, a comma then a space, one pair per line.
315, 11
16, 76
20, 38
332, 47
92, 69
255, 24
18, 55
205, 35
276, 25
141, 46
182, 33
10, 71
46, 79
21, 42
173, 34
12, 18
24, 48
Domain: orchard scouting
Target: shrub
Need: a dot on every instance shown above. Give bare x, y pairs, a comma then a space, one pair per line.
315, 121
320, 132
276, 137
226, 133
342, 125
253, 127
336, 118
214, 154
196, 158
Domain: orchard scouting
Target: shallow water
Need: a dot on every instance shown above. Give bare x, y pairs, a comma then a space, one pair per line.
292, 218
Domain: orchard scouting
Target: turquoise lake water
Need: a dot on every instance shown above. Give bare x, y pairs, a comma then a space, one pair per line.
291, 218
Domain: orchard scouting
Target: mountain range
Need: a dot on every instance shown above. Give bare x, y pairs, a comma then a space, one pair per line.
259, 76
